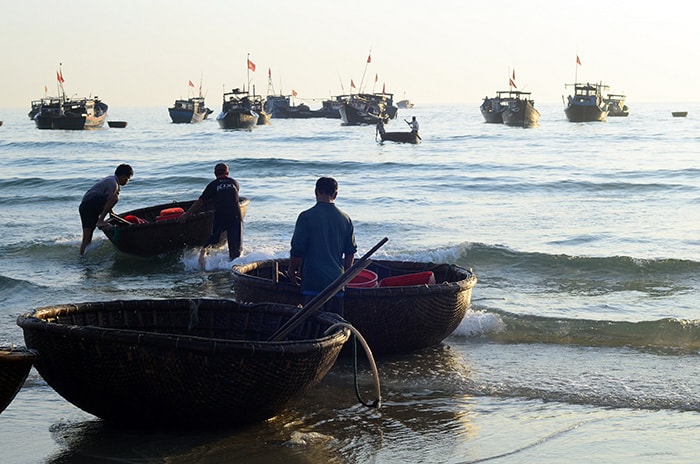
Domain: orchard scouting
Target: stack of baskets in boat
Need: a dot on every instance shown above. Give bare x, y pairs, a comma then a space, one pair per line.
15, 363
193, 362
392, 319
152, 233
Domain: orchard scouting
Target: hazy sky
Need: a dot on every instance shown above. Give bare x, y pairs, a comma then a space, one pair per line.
144, 52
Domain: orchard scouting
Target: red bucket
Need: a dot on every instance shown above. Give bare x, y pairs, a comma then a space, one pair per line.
365, 279
418, 278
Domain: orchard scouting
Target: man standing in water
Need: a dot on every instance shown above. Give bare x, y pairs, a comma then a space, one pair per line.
99, 200
227, 212
323, 245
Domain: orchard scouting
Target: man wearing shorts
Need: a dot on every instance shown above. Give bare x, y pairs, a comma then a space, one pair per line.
99, 200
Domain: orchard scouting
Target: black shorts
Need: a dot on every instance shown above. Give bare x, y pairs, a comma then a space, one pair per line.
90, 211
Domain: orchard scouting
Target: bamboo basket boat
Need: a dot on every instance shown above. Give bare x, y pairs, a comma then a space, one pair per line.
392, 319
179, 362
156, 236
15, 364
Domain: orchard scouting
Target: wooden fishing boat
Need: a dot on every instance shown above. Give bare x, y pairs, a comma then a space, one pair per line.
367, 108
148, 232
399, 317
187, 111
587, 104
71, 113
15, 363
616, 105
236, 111
679, 114
401, 137
492, 107
520, 110
180, 362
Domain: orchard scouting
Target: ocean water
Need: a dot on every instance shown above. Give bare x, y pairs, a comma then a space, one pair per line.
583, 340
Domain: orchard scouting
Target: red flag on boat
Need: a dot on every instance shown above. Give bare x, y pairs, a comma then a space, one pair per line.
294, 93
59, 77
191, 84
376, 77
369, 58
251, 65
46, 90
269, 72
384, 88
352, 84
578, 61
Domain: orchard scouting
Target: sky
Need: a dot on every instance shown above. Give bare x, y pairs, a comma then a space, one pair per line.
134, 53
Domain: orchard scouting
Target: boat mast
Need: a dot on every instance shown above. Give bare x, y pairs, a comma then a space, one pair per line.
369, 60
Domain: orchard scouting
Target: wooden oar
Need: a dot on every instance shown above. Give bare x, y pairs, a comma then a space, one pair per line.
326, 294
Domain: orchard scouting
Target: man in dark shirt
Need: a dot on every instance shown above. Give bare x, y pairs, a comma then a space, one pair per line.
323, 245
227, 212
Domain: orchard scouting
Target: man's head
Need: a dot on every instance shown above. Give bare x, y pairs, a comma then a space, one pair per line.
124, 173
326, 188
221, 170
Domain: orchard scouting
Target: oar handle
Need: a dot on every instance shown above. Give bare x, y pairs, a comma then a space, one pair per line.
319, 300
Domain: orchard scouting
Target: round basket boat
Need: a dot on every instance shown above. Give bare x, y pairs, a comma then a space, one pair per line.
415, 305
179, 362
15, 363
151, 233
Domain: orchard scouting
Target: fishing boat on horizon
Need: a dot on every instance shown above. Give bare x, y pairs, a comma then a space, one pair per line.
68, 113
367, 109
236, 111
616, 105
587, 103
189, 110
520, 110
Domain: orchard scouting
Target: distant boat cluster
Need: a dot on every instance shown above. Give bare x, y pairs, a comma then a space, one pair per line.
588, 103
242, 109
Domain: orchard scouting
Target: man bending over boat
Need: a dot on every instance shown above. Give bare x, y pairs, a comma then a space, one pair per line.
227, 212
323, 245
99, 200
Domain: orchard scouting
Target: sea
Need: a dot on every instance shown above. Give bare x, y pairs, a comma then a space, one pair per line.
582, 343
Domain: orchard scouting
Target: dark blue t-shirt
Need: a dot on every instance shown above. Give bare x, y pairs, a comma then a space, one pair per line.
224, 192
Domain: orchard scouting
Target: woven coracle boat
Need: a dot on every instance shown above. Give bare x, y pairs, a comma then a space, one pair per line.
393, 319
179, 362
153, 233
15, 363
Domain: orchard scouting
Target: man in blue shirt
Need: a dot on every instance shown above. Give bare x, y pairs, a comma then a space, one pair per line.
323, 245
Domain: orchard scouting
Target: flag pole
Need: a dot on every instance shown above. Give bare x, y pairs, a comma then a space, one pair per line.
362, 81
247, 70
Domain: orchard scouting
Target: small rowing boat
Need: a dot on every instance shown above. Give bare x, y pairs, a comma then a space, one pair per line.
180, 362
15, 364
407, 306
155, 230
